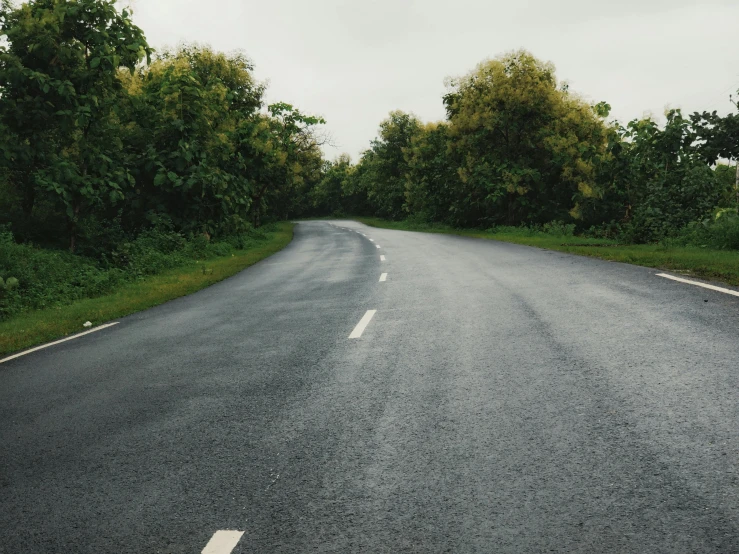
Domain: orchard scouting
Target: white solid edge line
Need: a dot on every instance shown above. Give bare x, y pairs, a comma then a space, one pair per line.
382, 258
223, 542
383, 277
362, 325
698, 284
100, 328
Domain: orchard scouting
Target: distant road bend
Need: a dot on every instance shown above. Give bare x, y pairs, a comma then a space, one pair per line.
369, 390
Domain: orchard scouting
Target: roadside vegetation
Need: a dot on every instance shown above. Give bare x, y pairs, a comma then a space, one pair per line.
522, 158
518, 148
129, 177
122, 167
61, 311
674, 255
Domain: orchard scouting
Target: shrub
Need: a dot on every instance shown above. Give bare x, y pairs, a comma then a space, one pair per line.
721, 232
34, 278
559, 229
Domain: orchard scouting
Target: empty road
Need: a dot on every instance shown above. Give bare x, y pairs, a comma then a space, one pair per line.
370, 390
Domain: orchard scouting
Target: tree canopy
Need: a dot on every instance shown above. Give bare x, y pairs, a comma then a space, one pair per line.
101, 138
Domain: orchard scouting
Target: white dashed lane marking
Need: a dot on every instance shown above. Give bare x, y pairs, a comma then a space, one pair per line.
383, 277
362, 325
223, 542
382, 258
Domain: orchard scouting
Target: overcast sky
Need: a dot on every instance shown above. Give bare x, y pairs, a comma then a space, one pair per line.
353, 61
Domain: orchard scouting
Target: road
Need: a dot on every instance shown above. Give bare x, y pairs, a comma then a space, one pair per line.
500, 399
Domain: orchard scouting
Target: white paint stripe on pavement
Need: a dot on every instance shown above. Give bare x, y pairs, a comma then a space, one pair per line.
383, 277
378, 246
223, 542
100, 328
362, 325
698, 284
372, 240
382, 258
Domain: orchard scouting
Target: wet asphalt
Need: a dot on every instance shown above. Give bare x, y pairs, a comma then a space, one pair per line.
502, 399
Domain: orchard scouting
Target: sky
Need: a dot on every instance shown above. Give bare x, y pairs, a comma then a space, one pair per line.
354, 61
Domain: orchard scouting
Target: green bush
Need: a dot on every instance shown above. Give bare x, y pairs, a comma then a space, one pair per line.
35, 278
720, 232
49, 277
552, 229
559, 229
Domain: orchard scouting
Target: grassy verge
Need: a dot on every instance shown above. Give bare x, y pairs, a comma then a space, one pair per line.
719, 265
36, 327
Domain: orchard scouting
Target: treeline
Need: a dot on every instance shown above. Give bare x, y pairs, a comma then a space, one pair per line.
519, 148
103, 139
118, 162
134, 159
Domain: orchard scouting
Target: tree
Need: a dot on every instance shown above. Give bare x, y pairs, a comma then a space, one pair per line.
60, 93
328, 195
191, 106
433, 187
385, 165
289, 154
666, 182
526, 146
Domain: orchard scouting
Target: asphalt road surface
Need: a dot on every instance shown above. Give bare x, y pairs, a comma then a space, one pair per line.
499, 398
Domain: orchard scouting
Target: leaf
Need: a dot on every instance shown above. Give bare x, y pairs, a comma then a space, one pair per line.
94, 63
159, 179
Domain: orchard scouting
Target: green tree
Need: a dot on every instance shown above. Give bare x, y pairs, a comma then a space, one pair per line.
191, 106
527, 146
433, 185
384, 165
60, 94
328, 195
664, 178
290, 155
727, 177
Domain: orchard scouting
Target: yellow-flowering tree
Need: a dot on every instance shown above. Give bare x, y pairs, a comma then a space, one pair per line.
526, 146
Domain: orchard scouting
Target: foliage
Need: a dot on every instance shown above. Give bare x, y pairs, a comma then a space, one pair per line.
720, 231
187, 107
36, 326
96, 135
60, 95
433, 183
38, 278
386, 166
519, 148
326, 197
669, 182
527, 146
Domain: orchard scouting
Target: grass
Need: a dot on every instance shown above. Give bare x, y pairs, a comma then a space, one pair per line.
718, 265
36, 327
